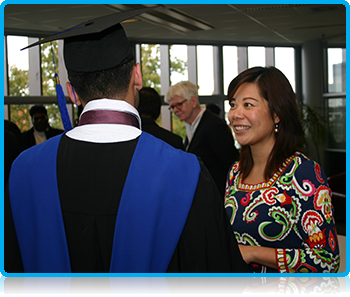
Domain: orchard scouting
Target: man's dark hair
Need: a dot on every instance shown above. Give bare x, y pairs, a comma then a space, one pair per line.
37, 108
150, 102
111, 84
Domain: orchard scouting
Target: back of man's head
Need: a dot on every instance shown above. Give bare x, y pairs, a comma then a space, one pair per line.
150, 102
111, 84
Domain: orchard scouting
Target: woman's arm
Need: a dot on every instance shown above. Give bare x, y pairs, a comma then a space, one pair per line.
258, 254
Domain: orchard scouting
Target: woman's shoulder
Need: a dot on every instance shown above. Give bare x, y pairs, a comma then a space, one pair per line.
307, 168
235, 167
304, 161
234, 171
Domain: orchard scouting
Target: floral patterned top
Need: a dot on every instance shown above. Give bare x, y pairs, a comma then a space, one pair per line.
292, 212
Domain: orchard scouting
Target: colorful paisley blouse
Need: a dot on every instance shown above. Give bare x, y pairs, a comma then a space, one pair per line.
292, 212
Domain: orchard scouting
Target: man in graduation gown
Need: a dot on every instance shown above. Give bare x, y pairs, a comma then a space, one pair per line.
105, 196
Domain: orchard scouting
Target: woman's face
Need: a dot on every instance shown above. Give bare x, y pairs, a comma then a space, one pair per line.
250, 118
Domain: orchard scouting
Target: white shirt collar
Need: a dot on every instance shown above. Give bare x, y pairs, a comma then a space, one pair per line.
191, 128
106, 133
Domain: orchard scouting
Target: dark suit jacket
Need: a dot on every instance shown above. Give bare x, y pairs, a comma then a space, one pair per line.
151, 127
213, 142
29, 140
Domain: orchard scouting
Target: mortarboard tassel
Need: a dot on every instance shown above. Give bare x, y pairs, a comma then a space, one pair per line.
61, 99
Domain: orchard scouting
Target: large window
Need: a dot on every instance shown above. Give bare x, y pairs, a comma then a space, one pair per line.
284, 61
336, 70
337, 122
150, 65
200, 63
18, 79
335, 110
20, 84
178, 63
205, 70
230, 65
335, 98
236, 61
18, 66
256, 56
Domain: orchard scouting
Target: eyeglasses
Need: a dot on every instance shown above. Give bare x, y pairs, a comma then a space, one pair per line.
177, 105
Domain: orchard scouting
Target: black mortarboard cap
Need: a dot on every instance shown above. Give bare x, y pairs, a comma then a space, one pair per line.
96, 45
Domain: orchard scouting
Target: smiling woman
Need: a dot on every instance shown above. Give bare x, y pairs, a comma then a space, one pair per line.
250, 118
277, 199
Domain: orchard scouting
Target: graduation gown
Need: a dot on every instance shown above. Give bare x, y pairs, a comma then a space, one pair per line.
90, 181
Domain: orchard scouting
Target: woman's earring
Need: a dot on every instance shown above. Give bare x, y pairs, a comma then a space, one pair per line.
276, 128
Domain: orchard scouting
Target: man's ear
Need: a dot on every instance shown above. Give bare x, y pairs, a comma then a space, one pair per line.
138, 77
74, 97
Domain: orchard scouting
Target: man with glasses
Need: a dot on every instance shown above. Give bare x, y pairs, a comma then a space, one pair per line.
208, 136
41, 130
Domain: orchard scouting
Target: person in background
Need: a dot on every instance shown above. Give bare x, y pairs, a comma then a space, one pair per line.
208, 136
149, 110
278, 200
41, 130
105, 196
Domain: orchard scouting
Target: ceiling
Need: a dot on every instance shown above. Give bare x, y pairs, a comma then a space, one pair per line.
249, 24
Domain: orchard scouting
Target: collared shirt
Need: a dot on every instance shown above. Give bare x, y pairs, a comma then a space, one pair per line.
39, 136
191, 128
106, 133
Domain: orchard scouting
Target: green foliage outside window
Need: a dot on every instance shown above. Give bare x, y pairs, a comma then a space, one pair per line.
49, 82
19, 86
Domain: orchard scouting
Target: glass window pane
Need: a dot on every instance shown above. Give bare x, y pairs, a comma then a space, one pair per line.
54, 115
205, 70
49, 82
284, 61
337, 123
336, 70
150, 65
19, 114
18, 63
178, 63
48, 68
230, 65
256, 56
